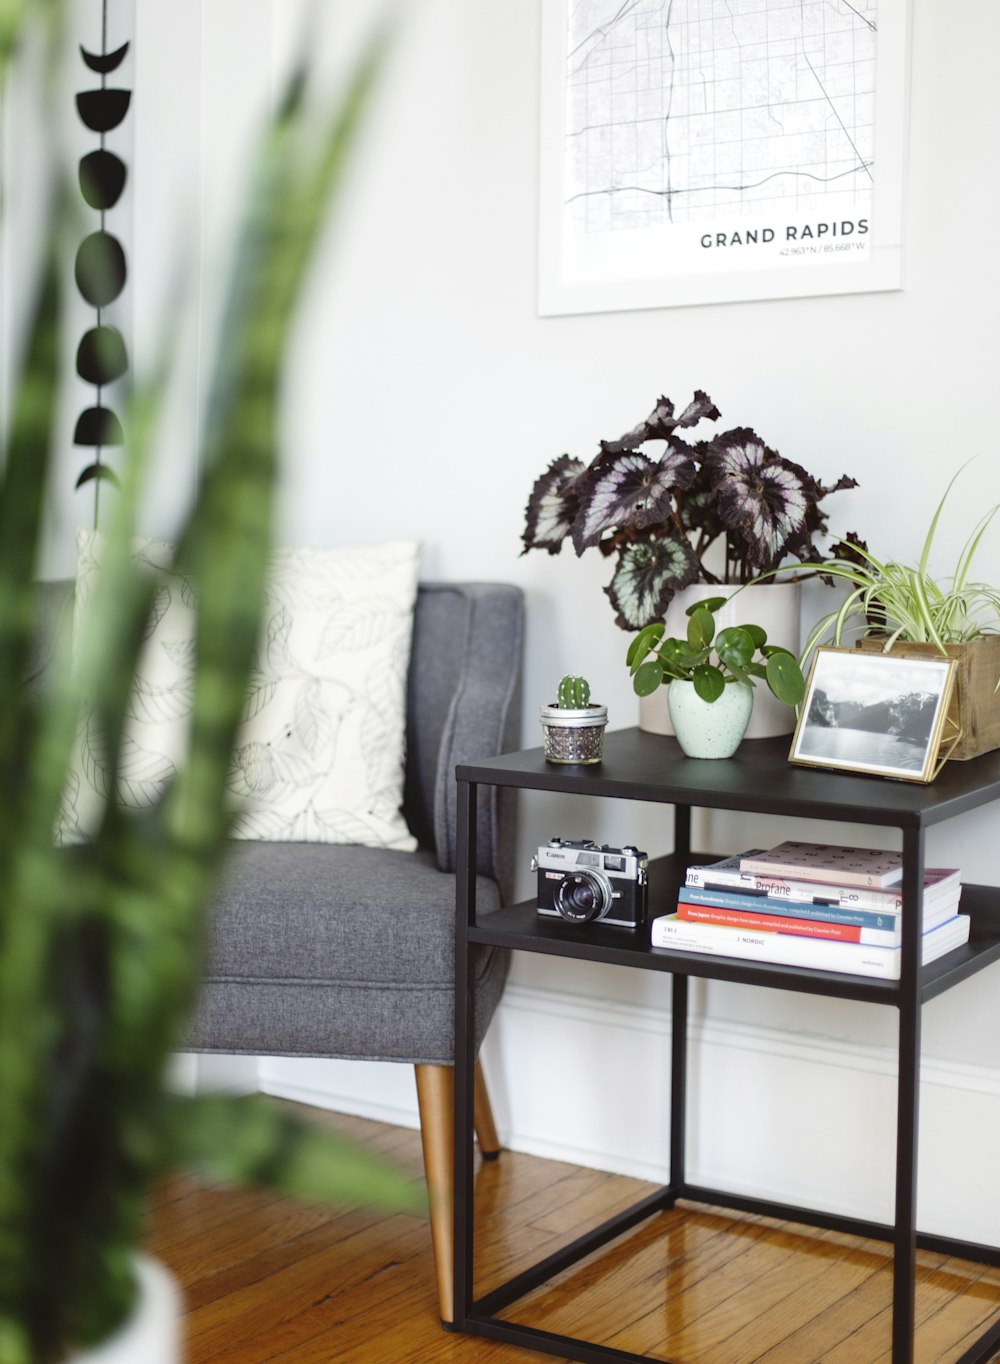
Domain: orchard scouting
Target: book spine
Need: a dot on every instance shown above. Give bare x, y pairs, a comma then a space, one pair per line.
835, 914
781, 923
858, 897
785, 949
824, 876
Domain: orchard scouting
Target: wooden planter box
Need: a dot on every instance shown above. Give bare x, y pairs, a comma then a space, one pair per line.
975, 705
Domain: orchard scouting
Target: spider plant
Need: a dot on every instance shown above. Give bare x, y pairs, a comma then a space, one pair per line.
902, 601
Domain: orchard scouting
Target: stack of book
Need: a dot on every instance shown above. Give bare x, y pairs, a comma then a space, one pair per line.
813, 905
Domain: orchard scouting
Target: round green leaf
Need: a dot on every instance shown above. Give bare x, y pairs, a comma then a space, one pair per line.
701, 628
757, 634
648, 677
709, 604
678, 654
709, 683
784, 677
644, 641
734, 646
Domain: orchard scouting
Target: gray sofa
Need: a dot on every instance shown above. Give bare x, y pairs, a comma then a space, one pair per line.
343, 951
333, 950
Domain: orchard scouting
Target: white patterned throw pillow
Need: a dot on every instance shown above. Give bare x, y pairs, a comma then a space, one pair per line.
319, 756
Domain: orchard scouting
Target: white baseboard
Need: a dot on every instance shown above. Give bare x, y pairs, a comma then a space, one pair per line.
774, 1114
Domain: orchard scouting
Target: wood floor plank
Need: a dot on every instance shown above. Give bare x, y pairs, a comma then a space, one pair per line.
273, 1281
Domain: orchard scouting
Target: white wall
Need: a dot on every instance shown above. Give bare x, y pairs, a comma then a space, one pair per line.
424, 397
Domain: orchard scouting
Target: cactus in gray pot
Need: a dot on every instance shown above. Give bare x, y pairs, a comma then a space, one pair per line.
573, 693
573, 725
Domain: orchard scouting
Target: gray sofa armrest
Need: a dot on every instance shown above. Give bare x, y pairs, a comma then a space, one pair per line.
463, 703
484, 719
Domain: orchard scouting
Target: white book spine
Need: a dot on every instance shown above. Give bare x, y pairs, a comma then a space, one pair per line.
855, 959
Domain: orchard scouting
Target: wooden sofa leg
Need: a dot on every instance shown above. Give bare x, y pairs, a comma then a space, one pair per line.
435, 1099
486, 1132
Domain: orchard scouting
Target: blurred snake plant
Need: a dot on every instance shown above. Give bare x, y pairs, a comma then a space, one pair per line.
100, 945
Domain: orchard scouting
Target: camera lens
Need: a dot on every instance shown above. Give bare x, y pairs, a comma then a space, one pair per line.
583, 896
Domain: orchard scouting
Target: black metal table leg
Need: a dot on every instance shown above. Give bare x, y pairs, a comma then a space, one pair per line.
907, 1101
465, 1012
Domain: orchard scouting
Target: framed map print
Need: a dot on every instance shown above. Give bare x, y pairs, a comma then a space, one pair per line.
707, 151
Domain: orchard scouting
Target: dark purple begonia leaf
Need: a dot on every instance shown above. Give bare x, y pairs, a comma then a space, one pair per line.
699, 513
661, 422
802, 546
647, 576
699, 408
629, 490
847, 552
761, 497
553, 505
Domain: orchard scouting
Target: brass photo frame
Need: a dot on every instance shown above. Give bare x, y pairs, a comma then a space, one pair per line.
881, 714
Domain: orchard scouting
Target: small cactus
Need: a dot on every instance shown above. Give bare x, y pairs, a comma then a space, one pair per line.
574, 693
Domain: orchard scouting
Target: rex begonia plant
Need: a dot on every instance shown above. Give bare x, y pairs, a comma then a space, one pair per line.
660, 515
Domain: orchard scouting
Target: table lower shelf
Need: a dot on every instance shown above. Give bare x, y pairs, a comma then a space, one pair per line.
520, 927
679, 1277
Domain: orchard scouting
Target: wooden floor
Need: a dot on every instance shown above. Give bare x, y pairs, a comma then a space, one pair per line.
269, 1279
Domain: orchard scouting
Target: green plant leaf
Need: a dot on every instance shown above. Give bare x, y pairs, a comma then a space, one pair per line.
784, 677
757, 634
734, 645
648, 677
709, 682
677, 653
701, 628
644, 642
709, 604
250, 1140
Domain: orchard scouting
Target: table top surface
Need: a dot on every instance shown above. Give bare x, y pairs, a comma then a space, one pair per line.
642, 766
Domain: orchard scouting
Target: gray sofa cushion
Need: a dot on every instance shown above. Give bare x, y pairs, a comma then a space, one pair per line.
330, 950
335, 913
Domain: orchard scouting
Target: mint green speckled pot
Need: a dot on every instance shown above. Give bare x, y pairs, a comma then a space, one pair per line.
709, 729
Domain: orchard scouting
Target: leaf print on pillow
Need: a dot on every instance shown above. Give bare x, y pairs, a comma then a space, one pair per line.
158, 705
276, 646
160, 607
260, 695
180, 651
361, 626
315, 726
253, 772
143, 776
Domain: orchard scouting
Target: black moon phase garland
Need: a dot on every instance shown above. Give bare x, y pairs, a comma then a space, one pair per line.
100, 260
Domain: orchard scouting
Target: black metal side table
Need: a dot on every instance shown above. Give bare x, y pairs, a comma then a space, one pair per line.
645, 767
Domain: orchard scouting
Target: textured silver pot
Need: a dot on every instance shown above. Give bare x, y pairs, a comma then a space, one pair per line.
573, 736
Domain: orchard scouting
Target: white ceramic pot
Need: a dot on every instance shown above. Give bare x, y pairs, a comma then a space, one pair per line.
772, 606
710, 729
152, 1333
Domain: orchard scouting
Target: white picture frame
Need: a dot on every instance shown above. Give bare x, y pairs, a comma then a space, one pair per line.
659, 132
882, 714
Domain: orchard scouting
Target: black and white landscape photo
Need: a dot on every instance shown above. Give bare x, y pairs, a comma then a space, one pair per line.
873, 712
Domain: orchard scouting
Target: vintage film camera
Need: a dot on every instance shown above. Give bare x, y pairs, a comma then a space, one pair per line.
583, 883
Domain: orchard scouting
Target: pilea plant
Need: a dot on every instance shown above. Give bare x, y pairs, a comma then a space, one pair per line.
711, 660
573, 693
661, 516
